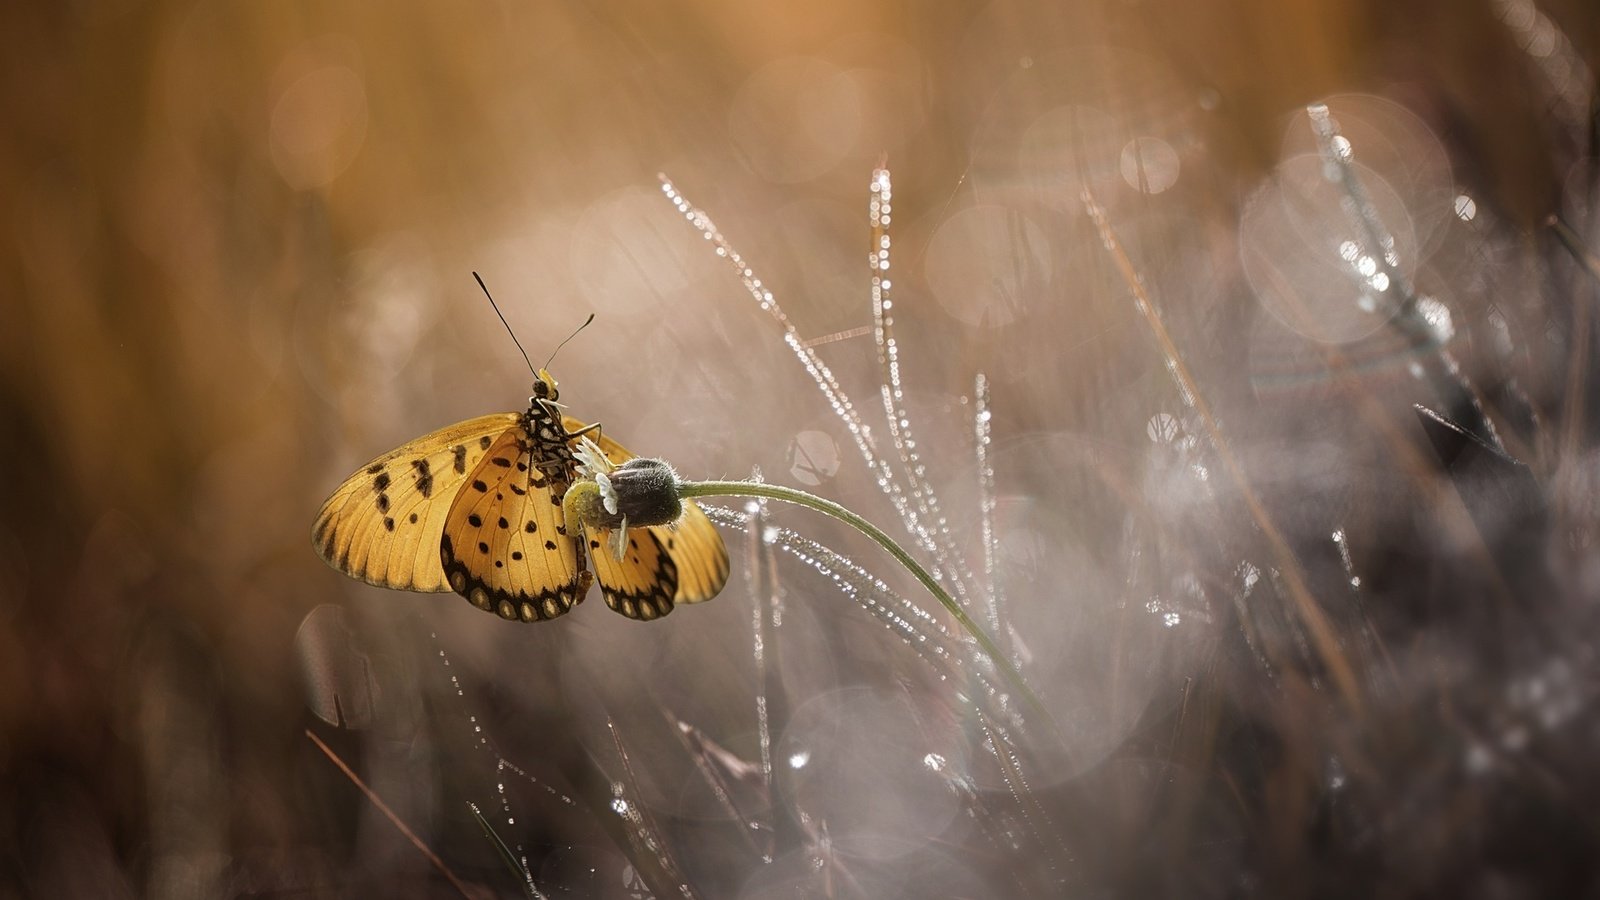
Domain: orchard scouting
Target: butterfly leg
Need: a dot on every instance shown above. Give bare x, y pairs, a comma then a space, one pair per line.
595, 427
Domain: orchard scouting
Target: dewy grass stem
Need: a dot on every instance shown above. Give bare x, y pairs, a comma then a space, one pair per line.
796, 496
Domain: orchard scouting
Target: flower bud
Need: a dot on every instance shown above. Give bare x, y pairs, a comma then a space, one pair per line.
646, 492
637, 493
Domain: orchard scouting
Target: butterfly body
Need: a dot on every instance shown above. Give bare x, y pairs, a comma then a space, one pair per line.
475, 508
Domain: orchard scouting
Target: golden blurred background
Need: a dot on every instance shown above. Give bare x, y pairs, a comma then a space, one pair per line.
240, 245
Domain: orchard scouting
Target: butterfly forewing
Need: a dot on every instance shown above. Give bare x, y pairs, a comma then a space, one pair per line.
384, 523
690, 551
505, 545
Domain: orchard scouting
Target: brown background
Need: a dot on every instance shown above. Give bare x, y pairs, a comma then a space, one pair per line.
237, 265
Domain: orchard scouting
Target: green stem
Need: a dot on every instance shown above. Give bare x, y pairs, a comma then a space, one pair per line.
828, 507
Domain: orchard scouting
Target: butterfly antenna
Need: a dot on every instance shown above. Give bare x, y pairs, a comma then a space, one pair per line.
569, 337
508, 324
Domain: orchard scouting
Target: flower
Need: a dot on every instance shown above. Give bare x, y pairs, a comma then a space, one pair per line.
609, 497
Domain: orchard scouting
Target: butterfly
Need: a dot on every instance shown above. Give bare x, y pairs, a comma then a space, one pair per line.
475, 508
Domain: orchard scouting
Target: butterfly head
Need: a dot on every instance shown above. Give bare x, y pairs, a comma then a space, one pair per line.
544, 388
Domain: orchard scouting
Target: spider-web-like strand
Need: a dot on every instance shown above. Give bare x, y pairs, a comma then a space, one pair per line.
928, 522
1292, 572
515, 859
760, 584
923, 632
934, 643
642, 830
819, 372
502, 766
986, 514
1378, 245
712, 763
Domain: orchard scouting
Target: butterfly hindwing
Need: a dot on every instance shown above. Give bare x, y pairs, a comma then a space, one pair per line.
505, 545
697, 548
690, 551
640, 585
383, 524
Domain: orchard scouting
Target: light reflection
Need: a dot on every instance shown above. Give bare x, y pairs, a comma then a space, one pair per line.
319, 123
1437, 315
985, 263
1162, 428
1149, 164
796, 118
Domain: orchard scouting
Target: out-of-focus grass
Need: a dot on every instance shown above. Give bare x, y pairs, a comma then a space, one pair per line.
237, 257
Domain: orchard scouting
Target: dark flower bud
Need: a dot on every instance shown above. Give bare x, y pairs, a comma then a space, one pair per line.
646, 492
637, 493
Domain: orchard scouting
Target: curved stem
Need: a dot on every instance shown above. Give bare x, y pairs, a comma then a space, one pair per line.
796, 496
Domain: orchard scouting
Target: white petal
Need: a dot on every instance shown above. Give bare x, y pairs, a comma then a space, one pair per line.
591, 459
608, 494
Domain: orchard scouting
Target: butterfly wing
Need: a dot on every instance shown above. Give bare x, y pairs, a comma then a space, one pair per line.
505, 545
640, 585
383, 524
697, 548
689, 553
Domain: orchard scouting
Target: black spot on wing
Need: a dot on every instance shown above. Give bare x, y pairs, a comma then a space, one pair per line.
424, 477
460, 452
381, 483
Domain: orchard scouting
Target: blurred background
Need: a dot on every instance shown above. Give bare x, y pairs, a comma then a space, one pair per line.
1297, 637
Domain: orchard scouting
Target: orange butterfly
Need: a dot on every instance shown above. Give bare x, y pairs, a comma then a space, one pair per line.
476, 508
